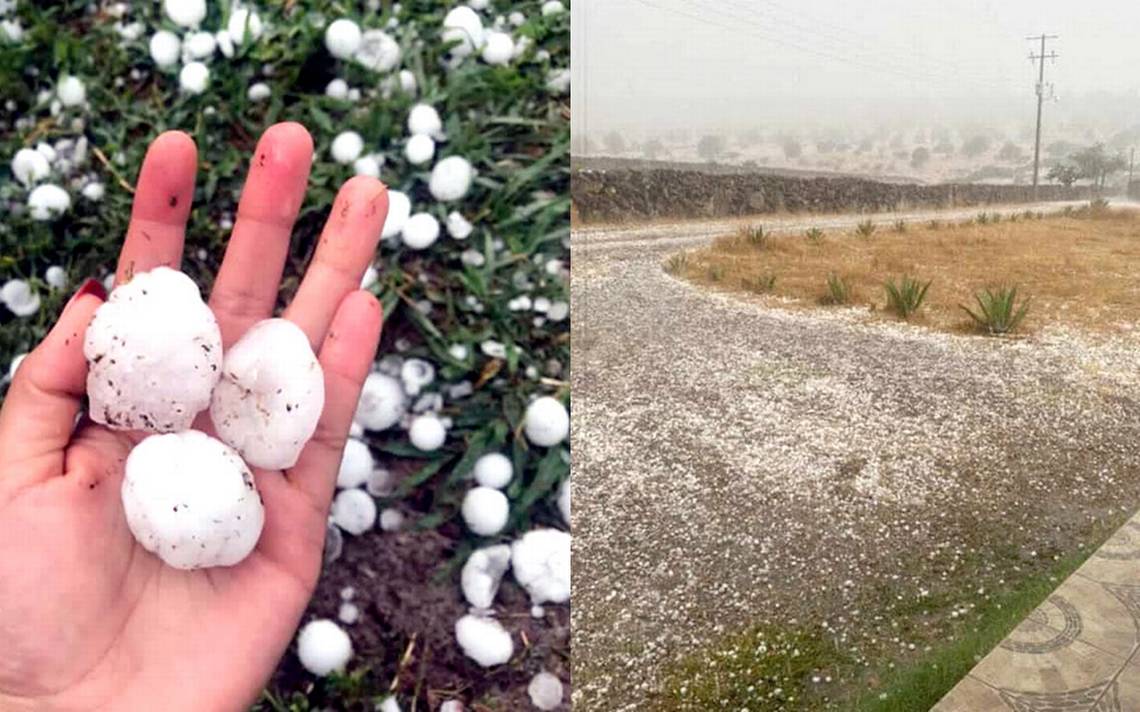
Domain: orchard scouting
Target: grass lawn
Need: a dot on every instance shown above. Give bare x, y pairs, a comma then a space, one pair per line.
1075, 267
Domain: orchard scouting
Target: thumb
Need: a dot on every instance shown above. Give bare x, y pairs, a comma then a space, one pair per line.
46, 392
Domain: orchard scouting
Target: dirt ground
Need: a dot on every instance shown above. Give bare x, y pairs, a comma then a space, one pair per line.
743, 464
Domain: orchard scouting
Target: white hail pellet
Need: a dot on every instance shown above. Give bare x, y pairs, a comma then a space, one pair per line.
30, 166
498, 49
382, 402
427, 433
484, 640
485, 510
378, 51
545, 691
199, 45
540, 562
367, 166
458, 226
194, 77
185, 13
323, 647
424, 119
482, 574
165, 48
243, 21
547, 421
346, 147
342, 38
451, 178
259, 92
420, 231
493, 470
354, 511
564, 501
419, 149
399, 210
355, 464
56, 277
48, 201
71, 90
463, 26
17, 295
552, 7
337, 89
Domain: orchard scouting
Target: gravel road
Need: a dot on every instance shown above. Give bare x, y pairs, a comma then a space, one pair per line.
737, 463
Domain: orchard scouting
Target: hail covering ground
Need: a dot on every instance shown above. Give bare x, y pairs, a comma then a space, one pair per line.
832, 469
481, 223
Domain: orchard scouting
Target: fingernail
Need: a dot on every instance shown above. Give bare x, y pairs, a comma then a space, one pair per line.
90, 286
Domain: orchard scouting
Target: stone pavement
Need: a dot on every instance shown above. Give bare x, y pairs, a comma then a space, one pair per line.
1076, 651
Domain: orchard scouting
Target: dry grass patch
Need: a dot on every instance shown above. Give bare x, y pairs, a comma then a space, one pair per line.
1078, 269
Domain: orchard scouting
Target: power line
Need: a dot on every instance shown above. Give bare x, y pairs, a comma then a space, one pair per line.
1040, 59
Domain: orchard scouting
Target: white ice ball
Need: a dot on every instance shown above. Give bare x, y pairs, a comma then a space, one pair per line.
482, 574
424, 119
259, 92
94, 191
48, 202
419, 149
71, 90
270, 397
367, 166
342, 38
185, 13
427, 432
382, 402
200, 45
451, 178
243, 20
354, 511
458, 226
194, 77
337, 89
484, 640
17, 295
30, 166
56, 277
462, 25
547, 421
323, 647
493, 470
378, 51
191, 500
399, 210
355, 464
485, 510
420, 231
165, 48
545, 691
552, 7
498, 49
540, 562
346, 147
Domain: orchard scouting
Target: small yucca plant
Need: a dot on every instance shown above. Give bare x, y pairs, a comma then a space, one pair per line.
900, 225
716, 273
865, 228
838, 290
814, 235
1098, 207
1028, 215
762, 284
754, 235
678, 263
905, 297
998, 311
982, 218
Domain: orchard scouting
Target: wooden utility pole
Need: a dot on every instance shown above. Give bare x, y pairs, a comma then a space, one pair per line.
1040, 99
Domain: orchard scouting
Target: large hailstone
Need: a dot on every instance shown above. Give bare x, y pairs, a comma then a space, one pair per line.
545, 691
399, 210
547, 422
271, 394
485, 510
342, 38
482, 574
191, 500
419, 149
17, 295
243, 20
382, 402
323, 647
493, 470
70, 90
48, 201
154, 354
346, 147
451, 178
194, 78
540, 562
484, 640
185, 13
462, 24
165, 48
420, 231
378, 51
354, 511
427, 433
355, 464
424, 119
499, 48
30, 166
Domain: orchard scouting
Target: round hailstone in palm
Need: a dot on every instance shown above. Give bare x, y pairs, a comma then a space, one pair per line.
271, 394
420, 231
323, 647
463, 25
354, 511
485, 510
419, 149
482, 574
451, 178
427, 432
355, 464
458, 226
378, 51
498, 49
48, 202
564, 501
70, 90
30, 166
484, 640
259, 92
493, 470
94, 191
243, 20
185, 13
545, 691
194, 78
547, 421
165, 48
154, 354
56, 277
346, 147
540, 561
424, 119
200, 45
399, 210
191, 500
342, 38
382, 402
17, 295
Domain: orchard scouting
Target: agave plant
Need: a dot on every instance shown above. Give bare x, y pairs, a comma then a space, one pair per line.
865, 228
905, 297
998, 311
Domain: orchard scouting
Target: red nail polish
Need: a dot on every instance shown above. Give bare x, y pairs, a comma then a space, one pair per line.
90, 286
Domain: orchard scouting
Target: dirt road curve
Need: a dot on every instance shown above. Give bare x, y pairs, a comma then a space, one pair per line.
736, 463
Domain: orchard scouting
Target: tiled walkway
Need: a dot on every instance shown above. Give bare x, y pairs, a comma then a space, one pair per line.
1077, 651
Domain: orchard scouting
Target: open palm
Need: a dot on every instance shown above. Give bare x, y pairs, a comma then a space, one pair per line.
88, 618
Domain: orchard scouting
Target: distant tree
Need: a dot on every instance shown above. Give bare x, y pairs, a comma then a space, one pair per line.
1011, 153
1097, 165
919, 157
653, 149
792, 147
1064, 173
976, 146
615, 144
710, 147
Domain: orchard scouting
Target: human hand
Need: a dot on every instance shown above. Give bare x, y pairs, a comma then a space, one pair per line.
88, 618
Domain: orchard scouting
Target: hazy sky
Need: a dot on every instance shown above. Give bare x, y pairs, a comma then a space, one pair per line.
709, 64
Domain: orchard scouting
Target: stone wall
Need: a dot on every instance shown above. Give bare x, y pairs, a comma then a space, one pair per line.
624, 195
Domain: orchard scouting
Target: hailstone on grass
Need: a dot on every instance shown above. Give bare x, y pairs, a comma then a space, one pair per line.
94, 191
185, 13
342, 38
259, 92
463, 25
346, 147
270, 396
498, 49
545, 691
354, 511
427, 432
243, 20
323, 647
194, 78
355, 464
337, 89
48, 202
558, 81
420, 231
30, 166
552, 7
17, 295
485, 510
154, 354
484, 640
165, 48
71, 90
451, 178
493, 470
366, 166
56, 277
424, 119
419, 149
191, 500
378, 51
382, 402
564, 501
482, 574
399, 210
547, 422
540, 562
458, 226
